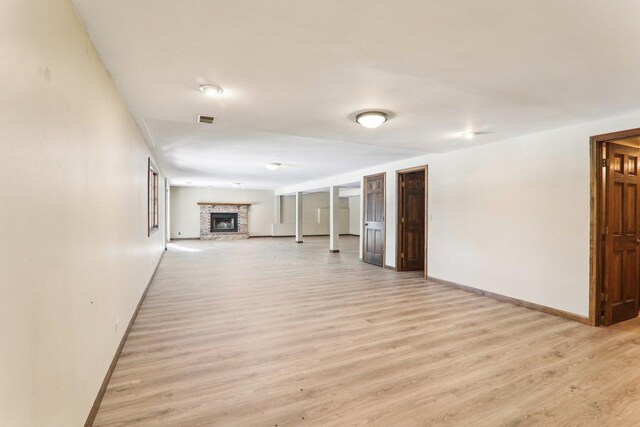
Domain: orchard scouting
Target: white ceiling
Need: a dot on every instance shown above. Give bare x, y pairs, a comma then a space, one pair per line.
203, 155
295, 71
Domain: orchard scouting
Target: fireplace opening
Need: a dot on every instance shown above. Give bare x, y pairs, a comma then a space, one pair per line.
224, 222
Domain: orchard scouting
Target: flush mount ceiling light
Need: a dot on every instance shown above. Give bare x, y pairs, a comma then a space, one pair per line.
371, 119
211, 90
273, 166
469, 134
236, 185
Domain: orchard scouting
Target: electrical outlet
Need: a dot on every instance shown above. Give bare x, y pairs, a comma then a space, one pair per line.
117, 323
430, 217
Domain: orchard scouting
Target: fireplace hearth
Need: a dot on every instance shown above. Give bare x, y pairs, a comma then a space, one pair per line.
224, 222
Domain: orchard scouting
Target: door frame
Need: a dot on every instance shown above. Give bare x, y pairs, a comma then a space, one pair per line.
399, 207
364, 211
597, 211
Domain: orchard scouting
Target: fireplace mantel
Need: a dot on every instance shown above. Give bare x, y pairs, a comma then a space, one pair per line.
223, 204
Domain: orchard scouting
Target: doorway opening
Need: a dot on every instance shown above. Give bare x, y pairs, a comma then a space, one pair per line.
373, 215
411, 247
349, 218
615, 228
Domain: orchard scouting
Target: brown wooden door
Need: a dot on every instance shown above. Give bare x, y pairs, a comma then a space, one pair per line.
374, 231
412, 221
621, 280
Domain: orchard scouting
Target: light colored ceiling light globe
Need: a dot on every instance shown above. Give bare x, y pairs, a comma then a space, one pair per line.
469, 134
273, 166
371, 119
236, 185
211, 90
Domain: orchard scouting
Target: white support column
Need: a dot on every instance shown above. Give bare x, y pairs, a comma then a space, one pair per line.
334, 219
278, 210
361, 239
299, 217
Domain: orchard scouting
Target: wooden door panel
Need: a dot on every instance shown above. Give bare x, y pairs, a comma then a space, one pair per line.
624, 304
622, 254
378, 247
616, 209
370, 206
377, 205
630, 203
632, 168
616, 277
616, 163
374, 222
630, 276
414, 254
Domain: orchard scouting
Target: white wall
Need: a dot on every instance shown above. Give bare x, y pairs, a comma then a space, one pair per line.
349, 192
315, 215
513, 218
74, 253
185, 212
510, 217
354, 215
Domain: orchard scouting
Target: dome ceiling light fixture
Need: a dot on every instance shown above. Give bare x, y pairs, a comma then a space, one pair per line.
273, 166
469, 135
211, 90
371, 119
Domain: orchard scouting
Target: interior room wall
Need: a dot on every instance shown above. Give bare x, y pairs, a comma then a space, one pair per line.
511, 217
75, 256
354, 215
349, 191
185, 212
315, 214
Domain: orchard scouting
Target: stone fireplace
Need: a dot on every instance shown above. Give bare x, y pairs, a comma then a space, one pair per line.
224, 221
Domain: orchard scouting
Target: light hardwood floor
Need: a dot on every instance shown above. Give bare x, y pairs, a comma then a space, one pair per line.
266, 332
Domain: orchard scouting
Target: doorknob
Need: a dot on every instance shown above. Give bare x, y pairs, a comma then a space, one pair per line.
366, 223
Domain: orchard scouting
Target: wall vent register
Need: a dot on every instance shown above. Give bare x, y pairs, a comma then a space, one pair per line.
206, 119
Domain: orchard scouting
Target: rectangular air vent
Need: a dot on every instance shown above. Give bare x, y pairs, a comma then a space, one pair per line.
205, 119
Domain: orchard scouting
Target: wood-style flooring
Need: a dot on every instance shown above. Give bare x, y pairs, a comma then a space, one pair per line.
266, 332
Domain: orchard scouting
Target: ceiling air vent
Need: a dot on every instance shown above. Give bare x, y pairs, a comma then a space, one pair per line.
205, 119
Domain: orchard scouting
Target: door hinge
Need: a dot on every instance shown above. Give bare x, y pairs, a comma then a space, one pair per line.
605, 230
402, 219
401, 254
604, 163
